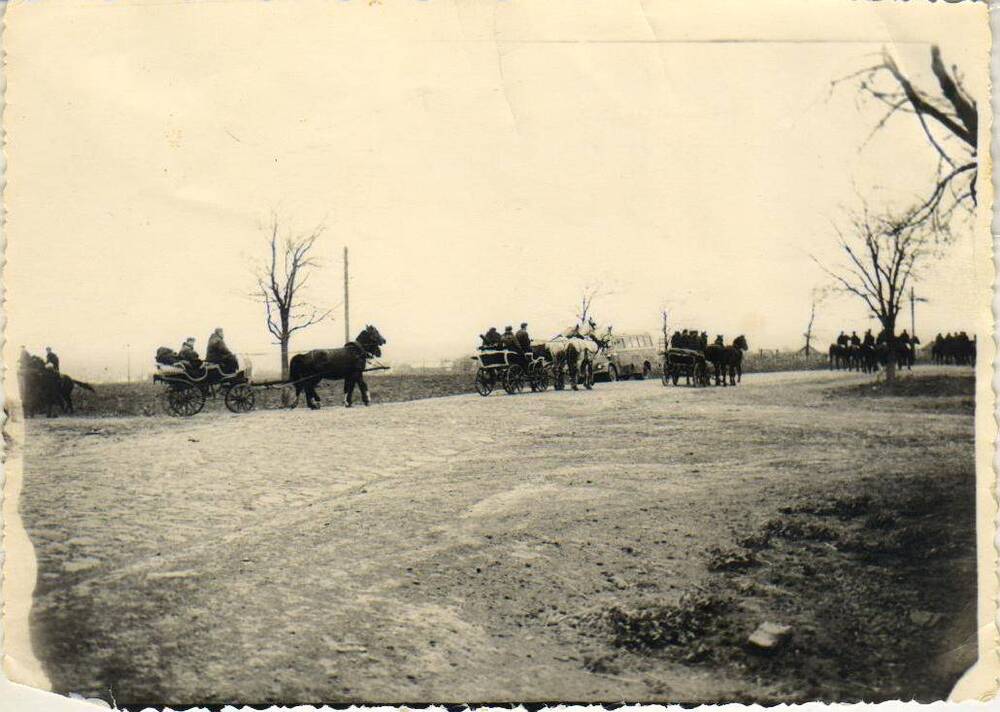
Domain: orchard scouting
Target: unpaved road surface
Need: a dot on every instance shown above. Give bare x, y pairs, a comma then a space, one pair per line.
489, 549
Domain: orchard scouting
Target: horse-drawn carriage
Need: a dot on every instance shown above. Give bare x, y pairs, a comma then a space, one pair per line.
689, 363
188, 387
512, 370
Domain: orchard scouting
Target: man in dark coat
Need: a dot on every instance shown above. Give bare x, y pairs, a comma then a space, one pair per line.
188, 354
842, 340
869, 338
508, 340
855, 339
51, 358
218, 353
523, 340
492, 338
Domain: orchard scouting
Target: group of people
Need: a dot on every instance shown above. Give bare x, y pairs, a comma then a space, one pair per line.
216, 353
869, 340
691, 340
519, 341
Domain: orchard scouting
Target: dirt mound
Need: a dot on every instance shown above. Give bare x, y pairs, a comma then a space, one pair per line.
938, 392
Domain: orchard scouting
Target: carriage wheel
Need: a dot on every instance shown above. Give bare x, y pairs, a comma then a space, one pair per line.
186, 401
240, 398
484, 382
665, 375
541, 380
513, 381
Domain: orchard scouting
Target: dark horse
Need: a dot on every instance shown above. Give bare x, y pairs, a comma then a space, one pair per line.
44, 389
727, 360
308, 369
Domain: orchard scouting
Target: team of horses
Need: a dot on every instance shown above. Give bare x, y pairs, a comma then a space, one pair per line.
727, 361
572, 353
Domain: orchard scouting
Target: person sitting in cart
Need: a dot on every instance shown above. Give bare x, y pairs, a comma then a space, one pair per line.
218, 353
189, 356
508, 340
703, 340
719, 340
492, 339
523, 340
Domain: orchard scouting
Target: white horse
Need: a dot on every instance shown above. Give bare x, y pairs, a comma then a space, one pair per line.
574, 350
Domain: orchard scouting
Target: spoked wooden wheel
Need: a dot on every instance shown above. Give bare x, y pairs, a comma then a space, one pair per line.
540, 381
240, 398
513, 381
484, 382
665, 376
186, 401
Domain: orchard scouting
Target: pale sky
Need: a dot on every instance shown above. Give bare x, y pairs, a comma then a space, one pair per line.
484, 162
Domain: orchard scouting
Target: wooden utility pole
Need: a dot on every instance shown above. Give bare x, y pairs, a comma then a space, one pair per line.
666, 341
913, 312
347, 308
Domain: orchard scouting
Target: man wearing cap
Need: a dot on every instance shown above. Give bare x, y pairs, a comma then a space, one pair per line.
508, 340
523, 340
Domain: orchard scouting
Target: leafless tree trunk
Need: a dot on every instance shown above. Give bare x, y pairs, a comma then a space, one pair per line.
948, 112
281, 282
808, 349
882, 252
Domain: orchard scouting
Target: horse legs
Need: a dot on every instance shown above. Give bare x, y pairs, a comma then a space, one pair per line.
363, 387
573, 373
348, 390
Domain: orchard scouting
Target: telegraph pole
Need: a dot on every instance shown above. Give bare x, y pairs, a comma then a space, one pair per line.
347, 308
913, 312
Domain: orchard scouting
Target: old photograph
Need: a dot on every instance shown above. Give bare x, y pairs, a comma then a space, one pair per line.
406, 351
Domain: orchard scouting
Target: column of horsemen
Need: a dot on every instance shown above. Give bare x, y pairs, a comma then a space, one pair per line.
868, 353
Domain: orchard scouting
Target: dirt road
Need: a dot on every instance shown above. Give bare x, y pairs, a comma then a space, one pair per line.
489, 549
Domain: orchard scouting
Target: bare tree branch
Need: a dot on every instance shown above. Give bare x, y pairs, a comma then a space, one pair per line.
280, 285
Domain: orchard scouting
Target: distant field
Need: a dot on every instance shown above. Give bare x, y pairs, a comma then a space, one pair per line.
143, 398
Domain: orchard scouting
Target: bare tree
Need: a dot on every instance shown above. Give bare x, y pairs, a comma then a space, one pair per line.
882, 254
280, 285
808, 349
949, 118
591, 291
